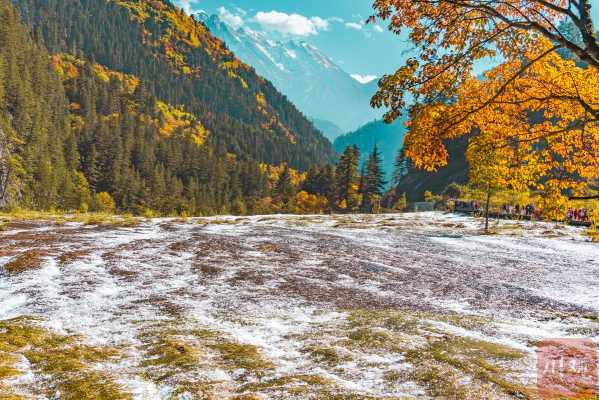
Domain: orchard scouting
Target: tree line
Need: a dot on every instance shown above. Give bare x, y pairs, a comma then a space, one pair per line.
75, 135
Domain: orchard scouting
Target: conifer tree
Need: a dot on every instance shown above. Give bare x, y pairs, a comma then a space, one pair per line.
401, 166
374, 181
347, 177
284, 189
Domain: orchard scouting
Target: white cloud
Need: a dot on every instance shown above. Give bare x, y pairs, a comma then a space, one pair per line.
291, 24
233, 20
364, 79
337, 19
353, 25
186, 5
378, 28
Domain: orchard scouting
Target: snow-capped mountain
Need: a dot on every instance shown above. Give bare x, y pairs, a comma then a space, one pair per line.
310, 79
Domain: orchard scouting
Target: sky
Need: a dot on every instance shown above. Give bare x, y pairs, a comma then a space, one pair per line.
336, 27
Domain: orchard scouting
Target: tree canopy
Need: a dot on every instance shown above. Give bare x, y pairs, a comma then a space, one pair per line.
536, 109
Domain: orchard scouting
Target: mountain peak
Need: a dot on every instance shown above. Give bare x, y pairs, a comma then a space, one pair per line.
319, 87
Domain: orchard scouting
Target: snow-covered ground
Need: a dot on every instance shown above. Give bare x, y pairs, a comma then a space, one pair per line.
323, 307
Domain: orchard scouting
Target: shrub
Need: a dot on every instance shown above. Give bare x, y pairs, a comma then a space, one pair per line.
104, 202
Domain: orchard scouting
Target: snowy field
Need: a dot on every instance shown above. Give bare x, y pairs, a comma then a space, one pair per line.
289, 307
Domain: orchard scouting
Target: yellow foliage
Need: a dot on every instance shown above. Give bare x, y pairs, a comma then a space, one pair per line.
556, 154
68, 67
310, 203
175, 119
179, 34
534, 117
103, 202
273, 172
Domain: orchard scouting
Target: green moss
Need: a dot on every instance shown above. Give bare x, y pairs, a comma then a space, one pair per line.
440, 361
242, 356
441, 365
327, 355
393, 320
67, 365
295, 383
367, 337
8, 363
171, 355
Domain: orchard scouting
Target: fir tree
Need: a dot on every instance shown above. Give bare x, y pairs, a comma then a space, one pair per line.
400, 167
347, 177
374, 181
284, 189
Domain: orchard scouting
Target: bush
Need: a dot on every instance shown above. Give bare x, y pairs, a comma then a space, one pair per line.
103, 202
402, 203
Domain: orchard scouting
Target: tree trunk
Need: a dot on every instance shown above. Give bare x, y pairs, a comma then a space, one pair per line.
487, 210
4, 169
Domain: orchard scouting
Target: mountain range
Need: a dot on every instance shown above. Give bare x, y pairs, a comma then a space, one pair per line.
321, 89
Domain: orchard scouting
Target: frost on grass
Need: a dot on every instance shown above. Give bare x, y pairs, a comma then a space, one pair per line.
288, 307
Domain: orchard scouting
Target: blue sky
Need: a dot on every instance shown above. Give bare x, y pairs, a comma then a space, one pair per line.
335, 26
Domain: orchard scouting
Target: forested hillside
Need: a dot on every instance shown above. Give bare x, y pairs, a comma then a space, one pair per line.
75, 133
38, 151
182, 63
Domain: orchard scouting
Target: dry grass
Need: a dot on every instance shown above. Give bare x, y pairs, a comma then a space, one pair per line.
29, 260
445, 365
66, 363
103, 219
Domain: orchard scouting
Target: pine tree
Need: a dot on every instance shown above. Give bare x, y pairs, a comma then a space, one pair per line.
374, 181
284, 189
347, 177
400, 167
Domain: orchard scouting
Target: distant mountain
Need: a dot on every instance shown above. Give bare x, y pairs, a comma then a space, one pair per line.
329, 129
388, 137
310, 79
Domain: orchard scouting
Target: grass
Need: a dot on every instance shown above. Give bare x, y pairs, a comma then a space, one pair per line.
445, 365
294, 383
58, 217
243, 356
29, 260
170, 354
326, 355
66, 364
441, 366
174, 355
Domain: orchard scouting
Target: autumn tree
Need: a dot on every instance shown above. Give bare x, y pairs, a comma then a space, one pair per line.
489, 171
537, 110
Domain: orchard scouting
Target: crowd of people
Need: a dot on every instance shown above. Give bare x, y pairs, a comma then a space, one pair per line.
577, 215
529, 211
